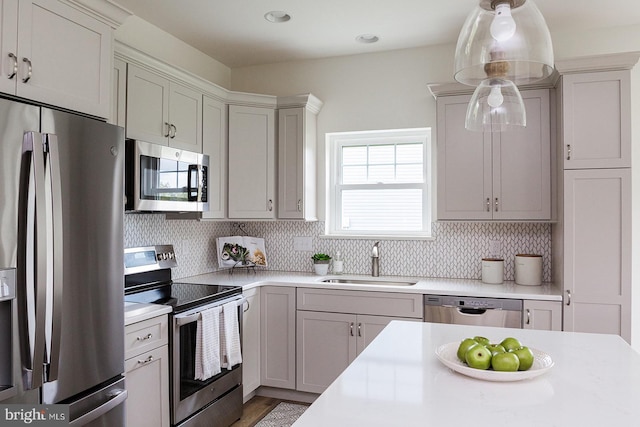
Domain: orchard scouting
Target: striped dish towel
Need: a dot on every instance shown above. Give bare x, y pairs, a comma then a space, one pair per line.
230, 336
208, 344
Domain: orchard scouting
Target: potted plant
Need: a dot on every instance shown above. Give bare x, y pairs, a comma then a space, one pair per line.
321, 263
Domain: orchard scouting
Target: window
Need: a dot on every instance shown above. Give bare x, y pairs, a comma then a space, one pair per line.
379, 183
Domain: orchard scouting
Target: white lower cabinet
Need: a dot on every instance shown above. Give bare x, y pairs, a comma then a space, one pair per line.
147, 372
542, 315
334, 326
251, 342
278, 336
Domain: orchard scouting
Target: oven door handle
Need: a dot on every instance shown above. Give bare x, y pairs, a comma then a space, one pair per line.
193, 315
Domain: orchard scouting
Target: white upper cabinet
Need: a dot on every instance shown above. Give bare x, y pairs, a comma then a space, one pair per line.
163, 111
596, 117
494, 176
297, 154
214, 144
56, 54
251, 162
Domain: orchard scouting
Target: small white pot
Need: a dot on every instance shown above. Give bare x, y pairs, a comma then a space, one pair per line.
321, 269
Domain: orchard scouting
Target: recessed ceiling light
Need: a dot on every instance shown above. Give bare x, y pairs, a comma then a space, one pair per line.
277, 16
367, 38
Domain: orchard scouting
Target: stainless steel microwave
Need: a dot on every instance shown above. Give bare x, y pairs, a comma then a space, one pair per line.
164, 179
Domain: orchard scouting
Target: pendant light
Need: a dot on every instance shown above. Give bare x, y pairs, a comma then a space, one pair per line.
503, 43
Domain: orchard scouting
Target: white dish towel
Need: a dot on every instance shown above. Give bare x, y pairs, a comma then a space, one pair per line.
208, 344
230, 336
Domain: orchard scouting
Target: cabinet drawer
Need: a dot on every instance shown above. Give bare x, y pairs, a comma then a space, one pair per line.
360, 302
146, 335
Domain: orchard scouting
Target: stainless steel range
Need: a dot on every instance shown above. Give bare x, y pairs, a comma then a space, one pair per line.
216, 401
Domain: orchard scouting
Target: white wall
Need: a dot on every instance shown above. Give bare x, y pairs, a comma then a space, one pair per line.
161, 45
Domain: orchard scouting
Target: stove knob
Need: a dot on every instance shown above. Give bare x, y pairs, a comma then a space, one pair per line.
171, 255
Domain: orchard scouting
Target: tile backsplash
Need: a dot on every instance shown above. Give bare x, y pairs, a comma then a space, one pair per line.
455, 252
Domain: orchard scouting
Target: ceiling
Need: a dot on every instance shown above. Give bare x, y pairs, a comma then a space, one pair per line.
235, 32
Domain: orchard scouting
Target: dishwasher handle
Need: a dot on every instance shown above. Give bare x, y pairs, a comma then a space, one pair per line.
472, 311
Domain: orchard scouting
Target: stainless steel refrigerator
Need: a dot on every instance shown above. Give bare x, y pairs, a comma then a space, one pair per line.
61, 229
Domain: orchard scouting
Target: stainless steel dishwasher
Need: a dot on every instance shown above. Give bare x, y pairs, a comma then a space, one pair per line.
473, 311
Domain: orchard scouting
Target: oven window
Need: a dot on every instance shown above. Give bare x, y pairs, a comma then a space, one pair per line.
188, 383
163, 179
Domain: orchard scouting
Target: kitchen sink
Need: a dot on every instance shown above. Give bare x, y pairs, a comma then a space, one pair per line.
370, 282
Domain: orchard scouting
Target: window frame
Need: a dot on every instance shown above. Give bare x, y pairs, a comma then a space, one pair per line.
334, 143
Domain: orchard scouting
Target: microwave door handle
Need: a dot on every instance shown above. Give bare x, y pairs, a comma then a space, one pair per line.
192, 190
53, 195
32, 260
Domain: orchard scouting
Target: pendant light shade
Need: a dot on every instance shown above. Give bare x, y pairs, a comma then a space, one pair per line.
512, 33
496, 106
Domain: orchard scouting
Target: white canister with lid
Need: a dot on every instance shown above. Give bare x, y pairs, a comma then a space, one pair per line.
492, 270
528, 269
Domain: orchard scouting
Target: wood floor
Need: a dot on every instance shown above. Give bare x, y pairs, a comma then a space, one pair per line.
256, 409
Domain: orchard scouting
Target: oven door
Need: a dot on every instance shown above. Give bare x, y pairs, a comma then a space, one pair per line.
189, 396
165, 179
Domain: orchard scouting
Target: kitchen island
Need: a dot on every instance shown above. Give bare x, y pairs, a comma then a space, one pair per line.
398, 381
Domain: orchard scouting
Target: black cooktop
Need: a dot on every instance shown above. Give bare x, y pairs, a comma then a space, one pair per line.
182, 296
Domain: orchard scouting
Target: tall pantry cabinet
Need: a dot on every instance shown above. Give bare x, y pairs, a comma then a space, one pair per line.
592, 238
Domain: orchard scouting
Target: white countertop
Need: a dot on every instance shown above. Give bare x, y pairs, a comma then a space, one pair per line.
398, 381
458, 287
137, 312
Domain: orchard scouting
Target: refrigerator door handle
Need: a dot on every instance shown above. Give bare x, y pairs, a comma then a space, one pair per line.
117, 398
53, 195
32, 259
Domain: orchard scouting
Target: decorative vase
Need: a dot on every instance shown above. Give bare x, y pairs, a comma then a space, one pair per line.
321, 267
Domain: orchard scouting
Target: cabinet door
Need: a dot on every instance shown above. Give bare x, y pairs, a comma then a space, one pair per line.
522, 164
70, 54
325, 347
596, 115
8, 45
597, 255
147, 380
278, 336
147, 106
369, 327
119, 93
185, 115
542, 315
251, 342
464, 164
251, 162
214, 144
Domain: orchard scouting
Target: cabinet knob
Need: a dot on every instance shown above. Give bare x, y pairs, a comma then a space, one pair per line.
168, 126
145, 361
299, 205
568, 298
496, 205
488, 204
528, 316
270, 205
351, 328
15, 66
29, 70
360, 329
174, 131
568, 151
144, 338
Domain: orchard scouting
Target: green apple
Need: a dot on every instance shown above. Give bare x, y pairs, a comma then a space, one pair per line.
525, 355
495, 349
478, 357
505, 362
510, 343
465, 345
482, 340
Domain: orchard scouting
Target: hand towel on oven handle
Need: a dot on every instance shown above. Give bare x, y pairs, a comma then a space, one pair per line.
230, 336
208, 344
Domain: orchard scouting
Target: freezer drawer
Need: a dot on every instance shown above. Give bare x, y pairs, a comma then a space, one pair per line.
103, 408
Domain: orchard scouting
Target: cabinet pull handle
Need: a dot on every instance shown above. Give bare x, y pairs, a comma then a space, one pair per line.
488, 204
145, 361
270, 205
146, 337
15, 66
168, 125
175, 131
29, 69
351, 328
568, 298
528, 316
568, 151
360, 329
496, 205
299, 205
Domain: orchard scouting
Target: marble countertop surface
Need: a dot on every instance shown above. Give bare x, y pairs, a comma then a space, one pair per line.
137, 312
398, 381
247, 278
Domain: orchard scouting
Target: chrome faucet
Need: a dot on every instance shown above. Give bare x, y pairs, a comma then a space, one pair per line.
375, 260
